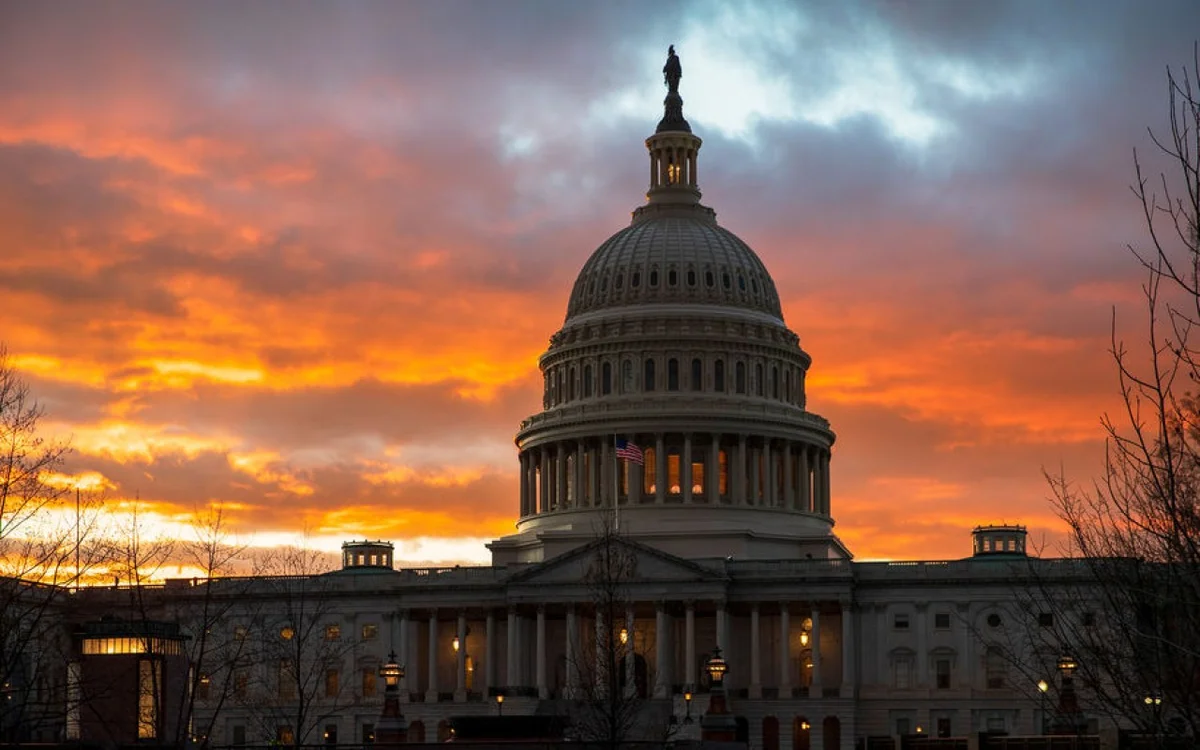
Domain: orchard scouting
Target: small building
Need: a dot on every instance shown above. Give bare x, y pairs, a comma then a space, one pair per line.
129, 682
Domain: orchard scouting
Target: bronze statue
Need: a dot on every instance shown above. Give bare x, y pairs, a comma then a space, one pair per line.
672, 71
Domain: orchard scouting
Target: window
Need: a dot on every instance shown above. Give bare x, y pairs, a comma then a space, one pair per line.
605, 379
627, 376
368, 734
239, 734
239, 633
619, 281
672, 277
903, 726
330, 735
332, 683
202, 687
741, 282
571, 384
775, 382
691, 278
941, 620
287, 684
900, 621
993, 620
653, 278
1088, 619
672, 374
902, 669
636, 279
1046, 619
943, 726
587, 381
241, 682
739, 377
725, 281
648, 376
369, 682
719, 376
370, 631
284, 735
995, 724
995, 668
697, 374
708, 279
942, 672
758, 379
333, 632
649, 471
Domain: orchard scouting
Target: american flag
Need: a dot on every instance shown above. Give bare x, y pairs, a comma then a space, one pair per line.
630, 452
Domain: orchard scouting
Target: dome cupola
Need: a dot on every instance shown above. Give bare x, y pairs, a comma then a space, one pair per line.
674, 341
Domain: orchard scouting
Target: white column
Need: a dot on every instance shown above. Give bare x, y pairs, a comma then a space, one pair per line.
825, 483
662, 670
739, 474
755, 654
405, 654
785, 651
848, 671
544, 481
630, 661
524, 483
714, 470
922, 626
431, 692
660, 469
489, 664
805, 481
514, 677
580, 477
689, 636
460, 665
560, 475
685, 469
814, 690
752, 496
572, 653
540, 653
721, 627
771, 492
789, 480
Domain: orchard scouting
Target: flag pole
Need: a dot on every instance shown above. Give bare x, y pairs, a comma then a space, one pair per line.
616, 487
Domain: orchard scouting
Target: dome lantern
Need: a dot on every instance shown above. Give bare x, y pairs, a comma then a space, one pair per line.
673, 148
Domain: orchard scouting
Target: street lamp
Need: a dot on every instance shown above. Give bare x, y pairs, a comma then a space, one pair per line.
717, 667
391, 672
500, 704
687, 701
391, 728
1042, 687
717, 724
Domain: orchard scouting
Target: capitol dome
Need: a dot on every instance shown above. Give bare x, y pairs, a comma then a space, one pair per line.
674, 351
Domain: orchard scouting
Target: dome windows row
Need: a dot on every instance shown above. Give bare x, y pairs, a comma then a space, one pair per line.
772, 379
628, 284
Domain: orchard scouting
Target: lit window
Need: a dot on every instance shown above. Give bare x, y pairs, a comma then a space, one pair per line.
149, 696
369, 682
287, 680
202, 687
333, 632
370, 631
331, 683
239, 633
287, 633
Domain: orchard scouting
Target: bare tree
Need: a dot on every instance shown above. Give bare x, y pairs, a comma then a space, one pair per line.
611, 708
302, 649
1126, 610
45, 547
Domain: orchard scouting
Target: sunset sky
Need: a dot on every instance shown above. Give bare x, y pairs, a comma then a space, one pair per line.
300, 258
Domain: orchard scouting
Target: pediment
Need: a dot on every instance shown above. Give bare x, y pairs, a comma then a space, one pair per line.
615, 559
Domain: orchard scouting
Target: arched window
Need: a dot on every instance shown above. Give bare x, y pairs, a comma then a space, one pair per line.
605, 379
725, 280
758, 379
739, 377
787, 385
587, 381
653, 278
627, 376
775, 382
709, 280
649, 472
719, 375
636, 279
770, 733
741, 282
672, 277
691, 278
672, 374
571, 384
648, 376
697, 374
620, 281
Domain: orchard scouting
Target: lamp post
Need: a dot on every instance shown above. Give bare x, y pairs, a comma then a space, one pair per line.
1154, 704
392, 729
1070, 719
717, 724
687, 701
500, 704
1042, 687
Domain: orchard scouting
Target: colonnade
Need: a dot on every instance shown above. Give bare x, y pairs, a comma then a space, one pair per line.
711, 469
678, 666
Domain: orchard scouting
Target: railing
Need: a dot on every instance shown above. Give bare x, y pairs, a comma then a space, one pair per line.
685, 403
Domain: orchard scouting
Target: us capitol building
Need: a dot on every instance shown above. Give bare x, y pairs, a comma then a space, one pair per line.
674, 341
